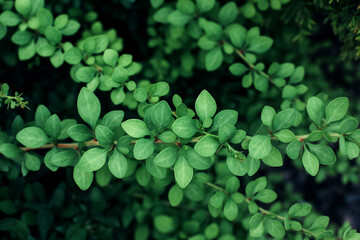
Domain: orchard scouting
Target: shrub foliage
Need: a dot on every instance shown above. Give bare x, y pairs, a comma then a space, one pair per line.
159, 166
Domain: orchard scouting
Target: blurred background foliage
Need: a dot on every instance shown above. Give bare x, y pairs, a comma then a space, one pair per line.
321, 36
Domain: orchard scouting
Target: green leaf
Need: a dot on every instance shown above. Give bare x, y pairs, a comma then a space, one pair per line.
104, 135
217, 200
228, 13
205, 105
167, 157
79, 133
356, 135
267, 115
275, 228
61, 21
177, 18
167, 137
85, 74
140, 95
324, 153
213, 59
310, 162
3, 29
186, 6
237, 166
300, 210
265, 196
10, 150
230, 210
212, 231
82, 178
261, 83
260, 146
135, 128
142, 176
336, 109
207, 146
22, 38
184, 127
27, 52
154, 170
32, 162
88, 107
256, 186
183, 171
120, 74
98, 44
293, 149
64, 158
143, 148
226, 131
161, 115
195, 191
110, 57
238, 69
161, 89
289, 92
117, 164
248, 10
41, 116
274, 159
71, 28
93, 159
224, 116
23, 6
352, 150
205, 43
117, 95
162, 14
257, 225
65, 125
164, 224
17, 124
284, 119
237, 35
232, 184
285, 136
346, 125
260, 44
252, 165
53, 35
320, 222
197, 161
175, 195
48, 157
285, 70
156, 3
298, 75
113, 119
32, 137
103, 176
316, 110
9, 18
57, 59
212, 29
53, 126
45, 17
205, 5
73, 56
44, 48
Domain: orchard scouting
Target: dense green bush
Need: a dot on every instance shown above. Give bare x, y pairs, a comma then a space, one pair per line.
156, 155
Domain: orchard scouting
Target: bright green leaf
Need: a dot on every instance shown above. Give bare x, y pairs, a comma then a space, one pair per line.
92, 160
